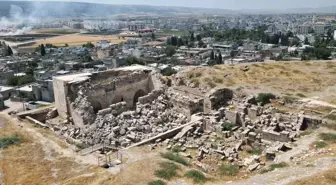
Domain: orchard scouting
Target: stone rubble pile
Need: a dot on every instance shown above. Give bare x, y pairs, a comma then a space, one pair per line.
269, 133
117, 127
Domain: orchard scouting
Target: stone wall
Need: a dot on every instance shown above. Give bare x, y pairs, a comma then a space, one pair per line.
219, 97
275, 136
114, 109
185, 104
151, 96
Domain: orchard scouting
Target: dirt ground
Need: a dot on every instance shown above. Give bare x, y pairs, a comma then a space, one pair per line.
298, 79
76, 40
43, 158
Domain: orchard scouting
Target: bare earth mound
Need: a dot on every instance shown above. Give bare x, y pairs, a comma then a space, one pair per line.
287, 78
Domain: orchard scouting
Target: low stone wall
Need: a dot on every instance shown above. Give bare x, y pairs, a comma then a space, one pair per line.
151, 96
219, 97
114, 109
275, 136
312, 121
232, 116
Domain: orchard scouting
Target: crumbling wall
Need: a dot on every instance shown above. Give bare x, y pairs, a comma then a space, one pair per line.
114, 109
120, 89
60, 91
81, 111
185, 104
219, 97
275, 136
151, 96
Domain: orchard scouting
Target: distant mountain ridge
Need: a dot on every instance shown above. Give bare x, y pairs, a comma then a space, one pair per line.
79, 9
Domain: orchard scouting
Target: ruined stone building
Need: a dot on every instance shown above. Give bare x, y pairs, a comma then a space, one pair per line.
81, 96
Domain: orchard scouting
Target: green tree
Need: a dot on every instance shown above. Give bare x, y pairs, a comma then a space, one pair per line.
88, 45
170, 51
130, 60
9, 51
329, 35
174, 41
26, 80
179, 42
220, 58
192, 37
200, 44
199, 37
169, 41
12, 81
212, 55
153, 36
306, 42
43, 52
29, 71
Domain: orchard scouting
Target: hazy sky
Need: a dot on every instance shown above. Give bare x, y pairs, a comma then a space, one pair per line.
224, 4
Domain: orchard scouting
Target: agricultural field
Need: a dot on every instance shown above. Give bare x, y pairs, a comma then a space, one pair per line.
75, 40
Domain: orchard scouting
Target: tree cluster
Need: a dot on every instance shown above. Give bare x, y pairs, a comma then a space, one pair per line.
186, 41
130, 60
320, 50
20, 80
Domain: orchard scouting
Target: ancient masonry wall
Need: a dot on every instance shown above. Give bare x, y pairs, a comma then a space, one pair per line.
151, 96
60, 91
114, 109
126, 89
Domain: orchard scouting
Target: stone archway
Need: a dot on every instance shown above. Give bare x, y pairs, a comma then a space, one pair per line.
96, 106
137, 95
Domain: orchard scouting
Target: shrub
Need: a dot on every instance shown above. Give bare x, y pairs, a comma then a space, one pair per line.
217, 80
174, 157
176, 149
197, 176
227, 126
320, 144
195, 81
255, 151
211, 84
168, 71
157, 182
228, 170
330, 137
7, 141
331, 117
300, 95
264, 98
167, 171
289, 99
278, 165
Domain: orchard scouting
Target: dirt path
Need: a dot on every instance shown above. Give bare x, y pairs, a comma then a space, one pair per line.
287, 175
50, 145
302, 145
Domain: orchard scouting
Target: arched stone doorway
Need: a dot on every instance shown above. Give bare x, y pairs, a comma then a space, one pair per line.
96, 106
138, 94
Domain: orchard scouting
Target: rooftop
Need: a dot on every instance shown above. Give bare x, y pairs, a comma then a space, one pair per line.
5, 88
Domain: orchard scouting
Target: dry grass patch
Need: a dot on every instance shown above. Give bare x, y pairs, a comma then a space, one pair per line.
324, 178
76, 40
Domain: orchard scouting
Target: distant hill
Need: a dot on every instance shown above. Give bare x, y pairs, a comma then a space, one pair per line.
319, 10
39, 9
77, 9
